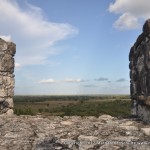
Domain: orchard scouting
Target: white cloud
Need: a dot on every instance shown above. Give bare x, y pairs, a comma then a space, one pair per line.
17, 65
33, 34
127, 21
131, 13
74, 80
7, 38
48, 81
68, 80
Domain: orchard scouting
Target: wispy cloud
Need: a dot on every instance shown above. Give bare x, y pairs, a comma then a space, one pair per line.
127, 21
68, 80
48, 81
17, 65
101, 79
131, 13
32, 32
75, 80
121, 80
7, 38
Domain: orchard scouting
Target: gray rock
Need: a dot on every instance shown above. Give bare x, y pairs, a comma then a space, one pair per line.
139, 66
7, 52
48, 133
146, 131
49, 143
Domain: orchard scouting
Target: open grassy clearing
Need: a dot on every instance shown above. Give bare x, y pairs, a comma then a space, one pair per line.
118, 106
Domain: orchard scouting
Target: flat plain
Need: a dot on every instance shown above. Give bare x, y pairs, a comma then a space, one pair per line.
84, 105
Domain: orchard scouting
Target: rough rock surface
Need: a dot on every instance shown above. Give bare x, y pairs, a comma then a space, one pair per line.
139, 58
72, 133
7, 52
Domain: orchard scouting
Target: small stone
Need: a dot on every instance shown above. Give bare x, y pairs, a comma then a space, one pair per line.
129, 128
10, 102
127, 123
58, 147
106, 117
67, 123
109, 147
128, 133
146, 131
10, 112
2, 99
87, 138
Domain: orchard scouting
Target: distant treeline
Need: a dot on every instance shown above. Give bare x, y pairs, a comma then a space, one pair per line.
42, 98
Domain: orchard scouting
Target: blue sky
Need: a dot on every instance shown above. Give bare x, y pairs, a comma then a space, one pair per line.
74, 47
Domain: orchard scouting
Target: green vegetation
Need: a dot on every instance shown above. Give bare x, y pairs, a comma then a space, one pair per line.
118, 106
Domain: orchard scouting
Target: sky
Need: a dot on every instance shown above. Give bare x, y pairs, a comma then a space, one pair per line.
72, 47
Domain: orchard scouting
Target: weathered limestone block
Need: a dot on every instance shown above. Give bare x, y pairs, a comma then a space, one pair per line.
7, 82
3, 92
7, 63
139, 66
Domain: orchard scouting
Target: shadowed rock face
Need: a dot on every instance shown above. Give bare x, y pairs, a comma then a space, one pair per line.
7, 52
139, 58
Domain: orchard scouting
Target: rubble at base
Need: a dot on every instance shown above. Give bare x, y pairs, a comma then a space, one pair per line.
72, 133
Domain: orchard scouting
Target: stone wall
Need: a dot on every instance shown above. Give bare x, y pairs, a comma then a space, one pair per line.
7, 52
139, 58
73, 133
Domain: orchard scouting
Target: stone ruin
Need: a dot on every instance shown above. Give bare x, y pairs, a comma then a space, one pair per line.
7, 52
139, 58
